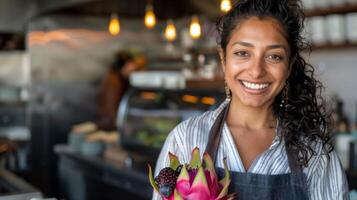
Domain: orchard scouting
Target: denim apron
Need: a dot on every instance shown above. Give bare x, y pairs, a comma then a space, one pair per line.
249, 186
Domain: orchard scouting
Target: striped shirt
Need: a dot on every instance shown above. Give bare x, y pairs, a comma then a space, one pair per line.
326, 178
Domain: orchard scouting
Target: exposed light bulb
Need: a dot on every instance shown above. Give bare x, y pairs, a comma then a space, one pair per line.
195, 28
150, 19
170, 31
114, 24
226, 5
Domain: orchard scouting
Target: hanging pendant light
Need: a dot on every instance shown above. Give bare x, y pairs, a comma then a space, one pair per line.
226, 5
170, 31
150, 19
114, 24
195, 28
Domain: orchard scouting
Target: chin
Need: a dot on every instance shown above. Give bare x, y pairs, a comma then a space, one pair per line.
254, 103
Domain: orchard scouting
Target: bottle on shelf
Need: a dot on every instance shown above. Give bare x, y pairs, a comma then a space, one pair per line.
353, 127
339, 119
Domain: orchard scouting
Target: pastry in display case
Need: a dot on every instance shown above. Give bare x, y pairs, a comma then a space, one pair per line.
146, 116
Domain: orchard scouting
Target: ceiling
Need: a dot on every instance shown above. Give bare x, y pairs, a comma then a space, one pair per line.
15, 14
164, 9
131, 8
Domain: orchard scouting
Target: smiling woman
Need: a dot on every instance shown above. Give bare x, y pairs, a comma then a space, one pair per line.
256, 62
273, 127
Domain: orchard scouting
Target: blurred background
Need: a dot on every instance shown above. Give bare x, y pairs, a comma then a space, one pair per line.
89, 89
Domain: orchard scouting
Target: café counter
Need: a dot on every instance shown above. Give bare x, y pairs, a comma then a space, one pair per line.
89, 178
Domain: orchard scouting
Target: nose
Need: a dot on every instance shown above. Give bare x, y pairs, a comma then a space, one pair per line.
257, 69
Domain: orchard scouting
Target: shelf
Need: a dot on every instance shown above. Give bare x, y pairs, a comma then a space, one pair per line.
13, 103
334, 46
162, 113
343, 9
167, 59
217, 83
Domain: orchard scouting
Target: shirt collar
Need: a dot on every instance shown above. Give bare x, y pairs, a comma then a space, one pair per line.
219, 109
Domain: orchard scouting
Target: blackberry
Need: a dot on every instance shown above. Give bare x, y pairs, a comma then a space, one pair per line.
166, 181
166, 190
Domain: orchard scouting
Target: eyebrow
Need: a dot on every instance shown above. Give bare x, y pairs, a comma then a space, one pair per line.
274, 46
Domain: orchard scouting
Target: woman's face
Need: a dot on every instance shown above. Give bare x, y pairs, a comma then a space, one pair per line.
128, 68
256, 64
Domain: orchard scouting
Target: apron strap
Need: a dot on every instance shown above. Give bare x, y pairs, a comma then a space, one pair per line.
292, 154
215, 133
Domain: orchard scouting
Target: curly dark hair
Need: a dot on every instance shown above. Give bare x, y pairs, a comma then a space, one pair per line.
303, 121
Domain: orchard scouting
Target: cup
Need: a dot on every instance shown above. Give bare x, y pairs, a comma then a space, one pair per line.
92, 148
342, 148
322, 4
335, 29
317, 27
308, 5
75, 141
351, 27
338, 3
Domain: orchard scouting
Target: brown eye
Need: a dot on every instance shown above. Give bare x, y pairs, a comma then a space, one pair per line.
243, 54
275, 58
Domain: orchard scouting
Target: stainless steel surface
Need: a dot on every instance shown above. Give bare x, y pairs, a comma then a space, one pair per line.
27, 196
17, 188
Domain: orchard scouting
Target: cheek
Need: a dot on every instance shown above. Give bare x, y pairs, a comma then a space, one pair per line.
280, 71
129, 67
232, 67
281, 78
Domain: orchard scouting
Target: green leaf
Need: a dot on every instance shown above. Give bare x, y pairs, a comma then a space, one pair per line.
174, 162
209, 164
195, 158
183, 175
225, 182
224, 191
227, 176
151, 178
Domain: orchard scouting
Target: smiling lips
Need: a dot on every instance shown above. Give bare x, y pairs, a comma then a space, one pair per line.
254, 87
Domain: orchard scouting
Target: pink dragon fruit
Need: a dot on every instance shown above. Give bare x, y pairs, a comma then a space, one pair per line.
194, 181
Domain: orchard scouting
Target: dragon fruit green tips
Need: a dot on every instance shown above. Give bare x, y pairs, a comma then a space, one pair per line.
194, 181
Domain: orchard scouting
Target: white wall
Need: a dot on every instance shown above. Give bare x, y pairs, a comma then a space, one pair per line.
14, 68
337, 69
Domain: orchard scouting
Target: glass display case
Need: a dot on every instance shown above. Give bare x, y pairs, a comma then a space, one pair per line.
146, 116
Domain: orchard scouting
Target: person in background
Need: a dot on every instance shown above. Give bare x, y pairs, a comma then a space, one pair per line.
113, 86
273, 128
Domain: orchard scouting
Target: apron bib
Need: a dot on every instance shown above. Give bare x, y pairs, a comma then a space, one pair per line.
249, 186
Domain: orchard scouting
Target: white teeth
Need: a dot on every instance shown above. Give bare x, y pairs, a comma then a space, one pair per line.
255, 86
